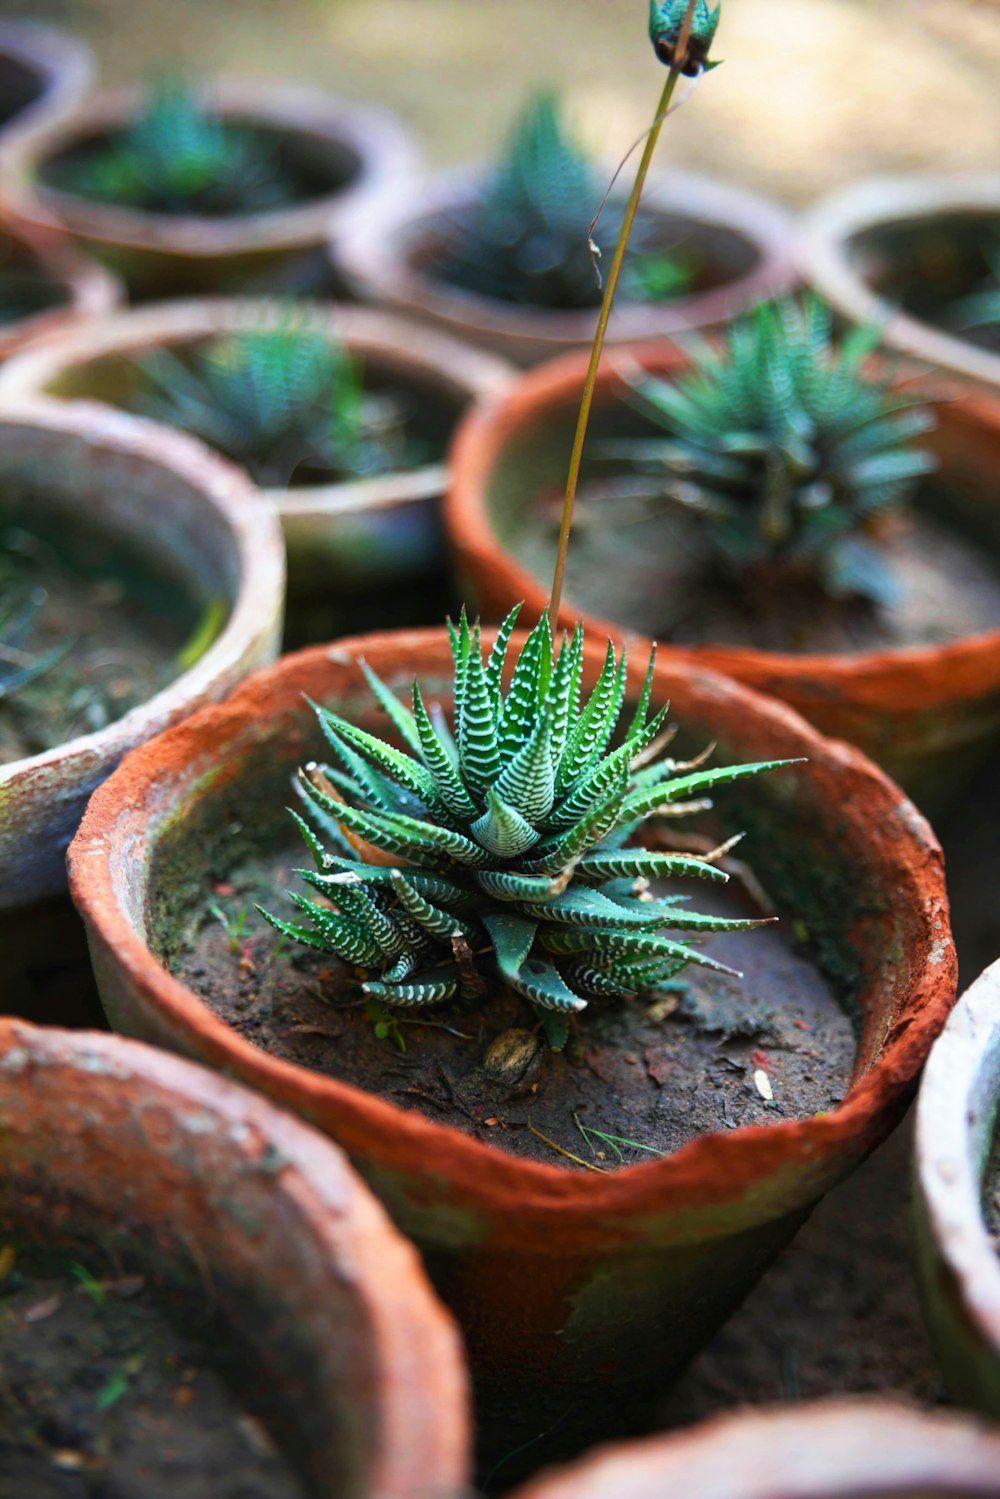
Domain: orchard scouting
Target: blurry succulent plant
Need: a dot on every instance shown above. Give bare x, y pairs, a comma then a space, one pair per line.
786, 450
506, 846
279, 401
526, 239
178, 157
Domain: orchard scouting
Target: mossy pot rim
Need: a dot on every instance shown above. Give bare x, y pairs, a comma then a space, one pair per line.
375, 254
827, 1449
485, 433
377, 142
426, 358
957, 1113
85, 1110
827, 260
481, 1174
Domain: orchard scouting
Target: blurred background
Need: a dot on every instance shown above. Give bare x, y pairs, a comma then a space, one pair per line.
813, 92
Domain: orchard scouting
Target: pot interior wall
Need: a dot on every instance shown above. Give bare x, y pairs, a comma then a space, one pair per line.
925, 265
140, 506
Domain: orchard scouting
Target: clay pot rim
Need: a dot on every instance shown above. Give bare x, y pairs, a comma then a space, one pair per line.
255, 537
483, 435
429, 357
538, 1188
374, 254
371, 135
958, 1097
823, 254
92, 291
827, 1449
379, 1266
64, 63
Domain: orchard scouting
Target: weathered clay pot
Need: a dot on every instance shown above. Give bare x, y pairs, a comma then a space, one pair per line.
567, 1285
867, 248
955, 1152
69, 288
359, 152
915, 711
388, 256
171, 498
43, 74
349, 534
833, 1450
117, 1148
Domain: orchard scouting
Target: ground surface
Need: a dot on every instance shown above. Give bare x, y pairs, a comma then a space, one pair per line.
813, 93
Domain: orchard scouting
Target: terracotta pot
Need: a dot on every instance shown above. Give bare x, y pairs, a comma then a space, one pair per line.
166, 495
568, 1286
73, 289
916, 711
336, 1328
858, 245
171, 255
832, 1450
43, 74
388, 256
955, 1153
371, 531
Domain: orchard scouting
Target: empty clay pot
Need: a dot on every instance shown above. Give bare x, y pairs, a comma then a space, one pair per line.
167, 498
875, 249
45, 286
325, 1312
956, 1163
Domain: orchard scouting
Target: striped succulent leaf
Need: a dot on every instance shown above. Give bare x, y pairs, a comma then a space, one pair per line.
787, 451
511, 851
525, 239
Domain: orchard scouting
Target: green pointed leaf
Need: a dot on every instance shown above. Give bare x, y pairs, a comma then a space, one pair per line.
503, 830
389, 702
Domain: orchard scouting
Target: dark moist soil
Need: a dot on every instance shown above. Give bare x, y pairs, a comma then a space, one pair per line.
648, 569
103, 1397
124, 625
658, 1073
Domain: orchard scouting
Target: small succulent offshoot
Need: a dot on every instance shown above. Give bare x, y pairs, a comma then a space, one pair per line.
504, 847
178, 157
283, 402
789, 454
526, 240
